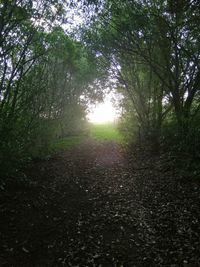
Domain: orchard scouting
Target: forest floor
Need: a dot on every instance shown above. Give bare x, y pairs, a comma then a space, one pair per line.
98, 205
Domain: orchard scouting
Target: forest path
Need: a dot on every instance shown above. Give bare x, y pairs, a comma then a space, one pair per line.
93, 206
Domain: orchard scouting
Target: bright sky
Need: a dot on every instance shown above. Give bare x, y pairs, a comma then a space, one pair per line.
103, 112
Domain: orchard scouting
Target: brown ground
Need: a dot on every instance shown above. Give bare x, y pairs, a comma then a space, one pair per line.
96, 205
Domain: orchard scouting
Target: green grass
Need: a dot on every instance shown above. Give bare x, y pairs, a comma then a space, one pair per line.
66, 143
105, 132
101, 132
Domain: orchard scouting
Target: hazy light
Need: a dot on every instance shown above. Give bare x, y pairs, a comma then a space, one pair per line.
102, 113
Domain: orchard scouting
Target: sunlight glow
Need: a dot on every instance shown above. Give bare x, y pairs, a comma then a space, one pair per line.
102, 113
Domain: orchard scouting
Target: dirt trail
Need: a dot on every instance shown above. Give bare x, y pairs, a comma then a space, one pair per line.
92, 206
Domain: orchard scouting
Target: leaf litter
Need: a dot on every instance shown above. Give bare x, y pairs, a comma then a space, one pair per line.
99, 205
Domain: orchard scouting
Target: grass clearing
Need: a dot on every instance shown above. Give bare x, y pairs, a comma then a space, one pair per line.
107, 131
101, 132
66, 143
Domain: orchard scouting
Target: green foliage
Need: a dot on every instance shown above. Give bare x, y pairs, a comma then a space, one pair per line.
152, 48
147, 50
46, 79
128, 125
105, 132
